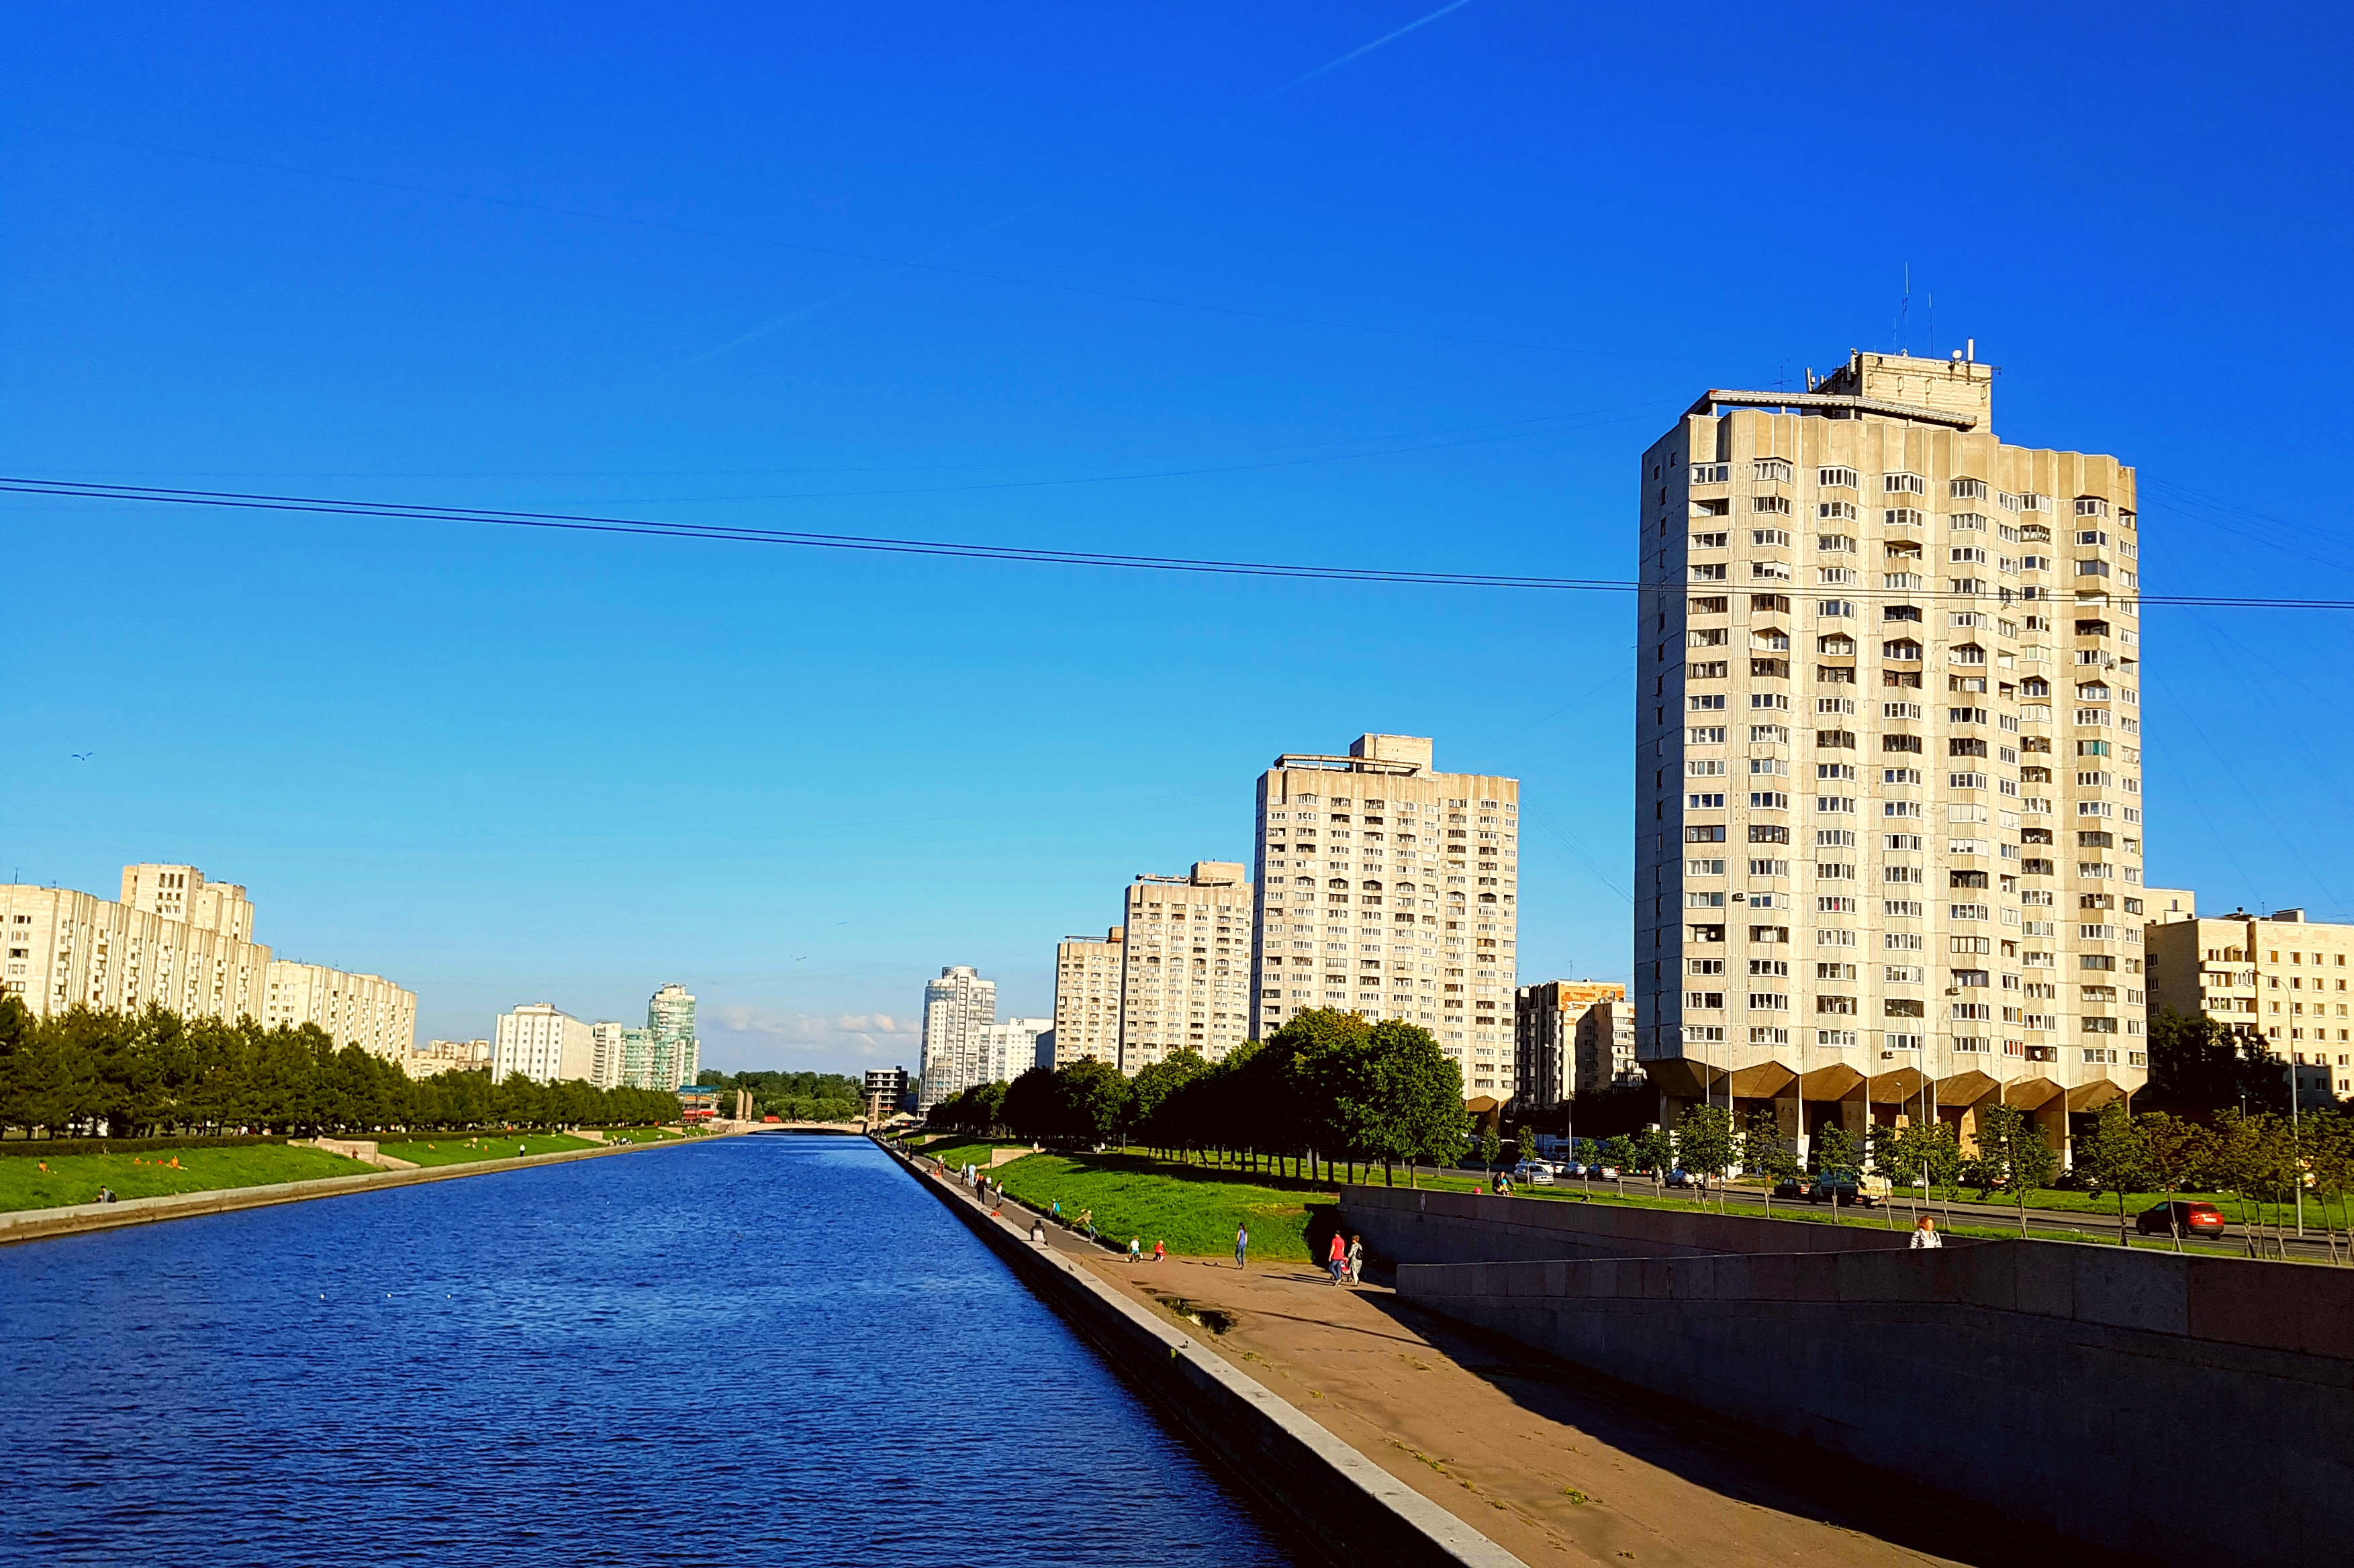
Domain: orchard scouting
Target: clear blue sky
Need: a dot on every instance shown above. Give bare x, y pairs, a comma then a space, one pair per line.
1419, 310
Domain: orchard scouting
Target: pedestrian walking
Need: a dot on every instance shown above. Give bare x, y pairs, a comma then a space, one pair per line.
1925, 1233
1242, 1245
1338, 1258
1356, 1260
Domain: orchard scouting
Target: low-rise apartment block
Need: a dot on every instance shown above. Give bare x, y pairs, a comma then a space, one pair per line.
2279, 976
438, 1056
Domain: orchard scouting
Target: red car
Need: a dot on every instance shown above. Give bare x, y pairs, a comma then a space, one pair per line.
2191, 1219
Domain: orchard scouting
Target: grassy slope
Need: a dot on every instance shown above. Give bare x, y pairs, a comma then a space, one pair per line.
1193, 1209
636, 1134
76, 1178
460, 1148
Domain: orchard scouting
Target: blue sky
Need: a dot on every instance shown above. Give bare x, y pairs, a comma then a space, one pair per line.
1419, 310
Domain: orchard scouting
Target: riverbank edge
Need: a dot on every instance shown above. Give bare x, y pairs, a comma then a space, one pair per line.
1329, 1492
40, 1224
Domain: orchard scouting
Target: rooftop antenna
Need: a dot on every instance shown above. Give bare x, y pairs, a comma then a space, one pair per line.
1904, 314
1933, 323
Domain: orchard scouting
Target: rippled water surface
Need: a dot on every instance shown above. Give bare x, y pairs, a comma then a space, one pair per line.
773, 1350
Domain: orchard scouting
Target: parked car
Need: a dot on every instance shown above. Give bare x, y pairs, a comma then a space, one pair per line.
1534, 1172
1680, 1177
1794, 1187
1603, 1172
2193, 1219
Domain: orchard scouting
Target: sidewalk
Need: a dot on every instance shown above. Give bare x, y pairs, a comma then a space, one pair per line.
1500, 1438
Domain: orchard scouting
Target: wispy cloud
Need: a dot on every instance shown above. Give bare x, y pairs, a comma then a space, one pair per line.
878, 1035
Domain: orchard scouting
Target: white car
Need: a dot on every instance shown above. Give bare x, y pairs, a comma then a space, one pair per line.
1535, 1171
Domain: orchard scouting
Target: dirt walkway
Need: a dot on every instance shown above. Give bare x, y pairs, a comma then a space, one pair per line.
1554, 1465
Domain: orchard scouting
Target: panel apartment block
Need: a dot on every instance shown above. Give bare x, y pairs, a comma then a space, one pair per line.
2279, 976
1389, 889
367, 1010
1087, 999
1890, 839
1544, 1040
1185, 965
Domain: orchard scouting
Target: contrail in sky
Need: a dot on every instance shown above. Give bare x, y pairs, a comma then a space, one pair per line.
1367, 48
832, 300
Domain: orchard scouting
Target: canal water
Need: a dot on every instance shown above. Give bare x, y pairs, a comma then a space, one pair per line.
775, 1349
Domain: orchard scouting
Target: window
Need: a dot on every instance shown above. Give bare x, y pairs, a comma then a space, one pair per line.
1836, 609
1711, 472
1967, 489
1713, 703
1770, 470
1837, 478
1838, 511
1704, 834
1769, 536
2091, 506
1904, 484
1900, 517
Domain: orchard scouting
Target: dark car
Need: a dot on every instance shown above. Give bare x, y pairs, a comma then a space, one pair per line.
1846, 1187
2191, 1219
1794, 1187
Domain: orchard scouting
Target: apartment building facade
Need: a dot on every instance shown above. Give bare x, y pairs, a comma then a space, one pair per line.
1605, 1047
1185, 965
1889, 838
1545, 1019
367, 1010
957, 1007
1007, 1048
674, 1049
1389, 889
438, 1056
2279, 976
544, 1044
1087, 975
64, 949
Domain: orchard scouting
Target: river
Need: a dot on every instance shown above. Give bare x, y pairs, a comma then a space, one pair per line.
773, 1350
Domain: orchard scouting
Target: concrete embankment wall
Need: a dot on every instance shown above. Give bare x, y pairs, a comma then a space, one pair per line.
1402, 1225
34, 1224
1337, 1497
2185, 1409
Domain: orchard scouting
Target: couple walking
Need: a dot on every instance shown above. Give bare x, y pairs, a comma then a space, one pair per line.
1347, 1263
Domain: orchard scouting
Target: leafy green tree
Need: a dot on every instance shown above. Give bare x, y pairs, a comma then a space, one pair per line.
1764, 1154
2015, 1155
1704, 1143
2114, 1153
1654, 1150
1094, 1101
2176, 1152
2200, 1063
1619, 1153
1835, 1150
1422, 1091
1528, 1143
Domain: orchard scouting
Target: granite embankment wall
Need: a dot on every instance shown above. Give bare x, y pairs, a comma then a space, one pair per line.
1338, 1499
34, 1224
2099, 1393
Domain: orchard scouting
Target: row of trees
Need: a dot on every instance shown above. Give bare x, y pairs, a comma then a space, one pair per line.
1327, 1089
156, 1073
795, 1097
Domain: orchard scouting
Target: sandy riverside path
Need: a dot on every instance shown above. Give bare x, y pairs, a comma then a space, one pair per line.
1499, 1436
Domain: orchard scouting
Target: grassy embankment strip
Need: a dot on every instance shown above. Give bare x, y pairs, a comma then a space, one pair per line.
640, 1134
76, 1178
461, 1149
2104, 1206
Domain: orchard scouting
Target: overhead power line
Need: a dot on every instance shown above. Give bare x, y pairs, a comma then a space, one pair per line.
722, 532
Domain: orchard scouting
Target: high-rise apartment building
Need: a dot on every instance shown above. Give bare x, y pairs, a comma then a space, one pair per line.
1603, 1048
1888, 758
175, 942
1391, 890
1545, 1020
544, 1044
673, 1050
1087, 999
366, 1011
957, 1007
1186, 965
2279, 976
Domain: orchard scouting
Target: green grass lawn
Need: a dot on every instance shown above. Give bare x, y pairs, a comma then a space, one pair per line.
2104, 1206
636, 1134
462, 1147
957, 1150
1194, 1209
76, 1178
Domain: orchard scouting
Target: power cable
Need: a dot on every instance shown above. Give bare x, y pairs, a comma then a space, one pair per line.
1031, 555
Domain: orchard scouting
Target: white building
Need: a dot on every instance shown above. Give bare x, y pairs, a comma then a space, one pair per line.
440, 1057
1087, 999
176, 941
366, 1011
1003, 1052
542, 1043
1391, 890
957, 1007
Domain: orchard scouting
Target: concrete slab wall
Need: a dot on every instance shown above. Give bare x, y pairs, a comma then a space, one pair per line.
2185, 1409
1402, 1225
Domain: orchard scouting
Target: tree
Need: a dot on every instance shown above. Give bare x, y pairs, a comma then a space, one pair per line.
1093, 1099
2175, 1151
1835, 1150
1423, 1090
2255, 1157
2015, 1155
2202, 1063
1704, 1143
1764, 1154
2115, 1154
1528, 1143
1654, 1150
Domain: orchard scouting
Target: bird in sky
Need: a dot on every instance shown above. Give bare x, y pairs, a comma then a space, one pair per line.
83, 756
